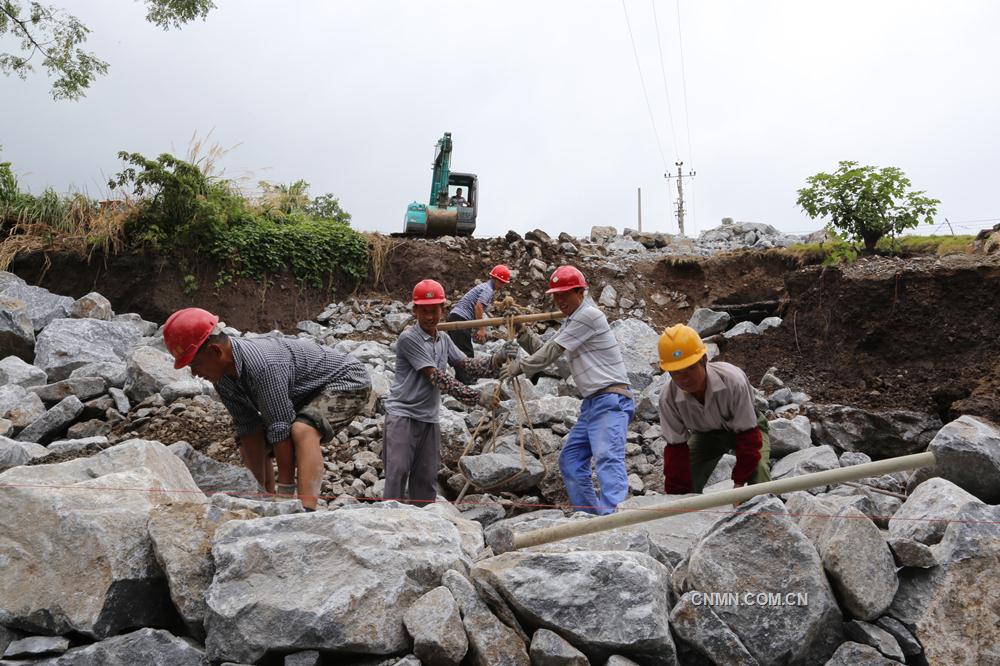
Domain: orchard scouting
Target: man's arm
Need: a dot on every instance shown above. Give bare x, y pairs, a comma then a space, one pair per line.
676, 454
271, 396
466, 394
480, 311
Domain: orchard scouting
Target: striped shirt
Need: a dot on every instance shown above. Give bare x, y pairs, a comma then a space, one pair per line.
481, 293
595, 359
728, 405
276, 377
412, 395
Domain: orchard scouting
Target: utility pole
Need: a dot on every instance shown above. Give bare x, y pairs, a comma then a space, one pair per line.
680, 176
640, 210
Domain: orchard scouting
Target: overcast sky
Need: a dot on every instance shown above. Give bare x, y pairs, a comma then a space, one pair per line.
544, 102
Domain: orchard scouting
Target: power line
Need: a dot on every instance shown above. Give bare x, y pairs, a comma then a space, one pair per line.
642, 80
663, 71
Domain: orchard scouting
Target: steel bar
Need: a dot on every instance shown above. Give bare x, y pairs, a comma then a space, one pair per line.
722, 498
499, 321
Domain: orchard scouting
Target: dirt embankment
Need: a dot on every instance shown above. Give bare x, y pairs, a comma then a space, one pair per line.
918, 334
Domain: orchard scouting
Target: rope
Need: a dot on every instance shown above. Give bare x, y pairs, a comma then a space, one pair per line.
642, 80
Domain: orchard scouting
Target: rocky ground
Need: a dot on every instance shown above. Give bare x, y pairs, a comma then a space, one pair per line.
128, 528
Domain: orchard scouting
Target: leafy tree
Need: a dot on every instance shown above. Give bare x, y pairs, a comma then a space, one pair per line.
327, 207
294, 199
866, 203
58, 38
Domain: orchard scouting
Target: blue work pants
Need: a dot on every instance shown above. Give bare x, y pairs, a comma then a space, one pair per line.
600, 434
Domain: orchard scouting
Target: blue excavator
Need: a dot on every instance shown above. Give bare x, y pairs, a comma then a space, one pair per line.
445, 214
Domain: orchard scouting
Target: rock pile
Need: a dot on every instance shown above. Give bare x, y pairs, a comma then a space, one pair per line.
129, 529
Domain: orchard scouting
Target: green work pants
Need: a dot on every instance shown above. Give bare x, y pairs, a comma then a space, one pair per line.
707, 449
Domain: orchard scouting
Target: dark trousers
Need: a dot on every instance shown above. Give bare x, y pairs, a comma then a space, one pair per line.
411, 456
463, 340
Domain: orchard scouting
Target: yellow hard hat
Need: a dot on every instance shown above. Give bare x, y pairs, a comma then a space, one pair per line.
680, 347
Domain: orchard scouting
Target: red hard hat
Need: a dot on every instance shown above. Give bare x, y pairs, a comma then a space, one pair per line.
185, 332
565, 278
501, 273
428, 292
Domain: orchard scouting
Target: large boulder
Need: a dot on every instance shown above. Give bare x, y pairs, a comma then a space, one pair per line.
41, 304
14, 453
155, 647
549, 409
859, 563
806, 461
213, 476
502, 471
550, 649
91, 306
924, 515
967, 451
673, 535
708, 322
67, 344
455, 436
638, 336
338, 581
148, 370
789, 435
14, 370
435, 623
21, 407
54, 422
697, 625
638, 369
759, 549
491, 642
580, 596
113, 373
17, 335
879, 434
84, 388
88, 515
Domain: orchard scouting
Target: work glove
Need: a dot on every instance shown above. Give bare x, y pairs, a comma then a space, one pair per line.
508, 352
488, 398
510, 371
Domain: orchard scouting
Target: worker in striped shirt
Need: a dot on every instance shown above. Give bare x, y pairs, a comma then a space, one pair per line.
473, 305
287, 397
596, 363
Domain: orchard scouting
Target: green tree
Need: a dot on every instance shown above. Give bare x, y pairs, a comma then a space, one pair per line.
866, 203
287, 199
57, 37
327, 207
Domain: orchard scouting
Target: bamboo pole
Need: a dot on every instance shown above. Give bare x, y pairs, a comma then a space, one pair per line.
499, 321
712, 500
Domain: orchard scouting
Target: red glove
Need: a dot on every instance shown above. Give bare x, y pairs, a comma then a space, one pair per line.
748, 445
676, 469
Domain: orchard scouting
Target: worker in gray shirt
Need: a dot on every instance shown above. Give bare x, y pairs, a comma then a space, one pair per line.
286, 396
412, 440
596, 363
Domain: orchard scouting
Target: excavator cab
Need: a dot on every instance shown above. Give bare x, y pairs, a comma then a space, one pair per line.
440, 217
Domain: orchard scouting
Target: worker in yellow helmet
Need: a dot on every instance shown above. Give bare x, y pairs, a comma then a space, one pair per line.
706, 410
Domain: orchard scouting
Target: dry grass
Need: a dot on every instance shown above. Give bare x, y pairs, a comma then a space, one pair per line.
380, 248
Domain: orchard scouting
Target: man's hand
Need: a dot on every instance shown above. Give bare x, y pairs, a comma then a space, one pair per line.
480, 336
488, 398
510, 371
506, 353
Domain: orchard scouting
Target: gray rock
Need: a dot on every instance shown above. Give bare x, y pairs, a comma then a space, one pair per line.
6, 635
638, 336
6, 427
742, 328
92, 306
779, 398
856, 654
455, 437
14, 370
708, 322
213, 476
618, 660
851, 458
879, 434
910, 553
148, 370
727, 559
145, 646
697, 624
122, 403
83, 388
859, 563
639, 371
490, 641
347, 576
363, 325
550, 649
17, 335
646, 405
52, 514
34, 646
609, 297
806, 461
53, 423
182, 542
813, 513
967, 451
924, 515
502, 471
435, 624
789, 435
907, 643
263, 508
484, 509
550, 409
769, 322
876, 637
67, 344
672, 536
113, 373
602, 234
140, 326
625, 245
90, 428
182, 388
14, 453
310, 327
19, 405
85, 445
397, 321
42, 305
973, 533
567, 593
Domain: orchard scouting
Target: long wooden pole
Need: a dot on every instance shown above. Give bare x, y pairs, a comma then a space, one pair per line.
723, 498
499, 321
